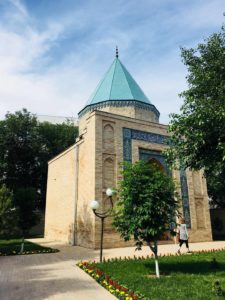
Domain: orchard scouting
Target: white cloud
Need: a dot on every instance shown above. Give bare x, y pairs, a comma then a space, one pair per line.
32, 76
59, 90
19, 51
203, 14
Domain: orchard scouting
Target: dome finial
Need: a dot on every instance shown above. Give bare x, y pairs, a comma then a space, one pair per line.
117, 52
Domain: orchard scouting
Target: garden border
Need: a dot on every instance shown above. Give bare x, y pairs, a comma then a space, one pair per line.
120, 291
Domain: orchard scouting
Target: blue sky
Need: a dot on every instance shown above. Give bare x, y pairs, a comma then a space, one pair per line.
54, 52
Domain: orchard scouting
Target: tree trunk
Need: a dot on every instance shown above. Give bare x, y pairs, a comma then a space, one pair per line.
22, 245
155, 251
156, 259
157, 267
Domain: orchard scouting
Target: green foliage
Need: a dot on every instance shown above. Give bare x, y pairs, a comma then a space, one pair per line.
198, 132
8, 216
57, 137
146, 205
13, 246
24, 200
216, 187
25, 148
19, 150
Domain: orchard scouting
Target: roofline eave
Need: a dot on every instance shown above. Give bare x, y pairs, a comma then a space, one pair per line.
119, 103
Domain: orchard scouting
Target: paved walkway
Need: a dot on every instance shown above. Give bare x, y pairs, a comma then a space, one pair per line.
55, 276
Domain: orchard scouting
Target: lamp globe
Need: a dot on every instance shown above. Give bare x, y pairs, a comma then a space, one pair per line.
109, 192
94, 205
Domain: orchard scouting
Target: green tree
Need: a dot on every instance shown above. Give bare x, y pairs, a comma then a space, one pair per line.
146, 205
8, 214
198, 132
19, 150
57, 137
25, 148
24, 200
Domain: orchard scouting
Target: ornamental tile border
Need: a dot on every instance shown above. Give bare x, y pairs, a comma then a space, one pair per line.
119, 103
185, 197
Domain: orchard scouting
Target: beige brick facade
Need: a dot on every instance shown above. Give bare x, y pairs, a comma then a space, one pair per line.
60, 202
84, 172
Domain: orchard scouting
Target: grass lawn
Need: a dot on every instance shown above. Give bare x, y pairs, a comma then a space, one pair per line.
12, 247
183, 277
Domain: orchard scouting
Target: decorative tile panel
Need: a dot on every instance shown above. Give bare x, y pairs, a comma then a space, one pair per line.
127, 152
185, 197
149, 137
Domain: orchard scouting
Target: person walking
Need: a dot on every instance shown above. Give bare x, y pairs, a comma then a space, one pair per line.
183, 235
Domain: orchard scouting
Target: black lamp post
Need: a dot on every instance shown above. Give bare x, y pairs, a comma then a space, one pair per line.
102, 215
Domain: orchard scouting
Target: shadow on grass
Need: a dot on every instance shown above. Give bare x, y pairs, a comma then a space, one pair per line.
9, 246
197, 267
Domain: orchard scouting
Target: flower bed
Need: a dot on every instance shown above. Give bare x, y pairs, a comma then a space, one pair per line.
113, 286
119, 290
29, 252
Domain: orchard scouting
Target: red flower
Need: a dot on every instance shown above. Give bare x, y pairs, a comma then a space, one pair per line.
107, 277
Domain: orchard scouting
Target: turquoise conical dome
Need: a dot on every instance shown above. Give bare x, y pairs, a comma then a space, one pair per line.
118, 89
117, 84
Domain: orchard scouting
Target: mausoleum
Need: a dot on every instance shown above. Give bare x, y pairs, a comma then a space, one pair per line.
118, 123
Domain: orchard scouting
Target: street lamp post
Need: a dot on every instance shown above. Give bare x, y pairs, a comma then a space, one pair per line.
102, 215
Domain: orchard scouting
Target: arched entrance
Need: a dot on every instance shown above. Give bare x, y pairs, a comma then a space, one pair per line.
157, 164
